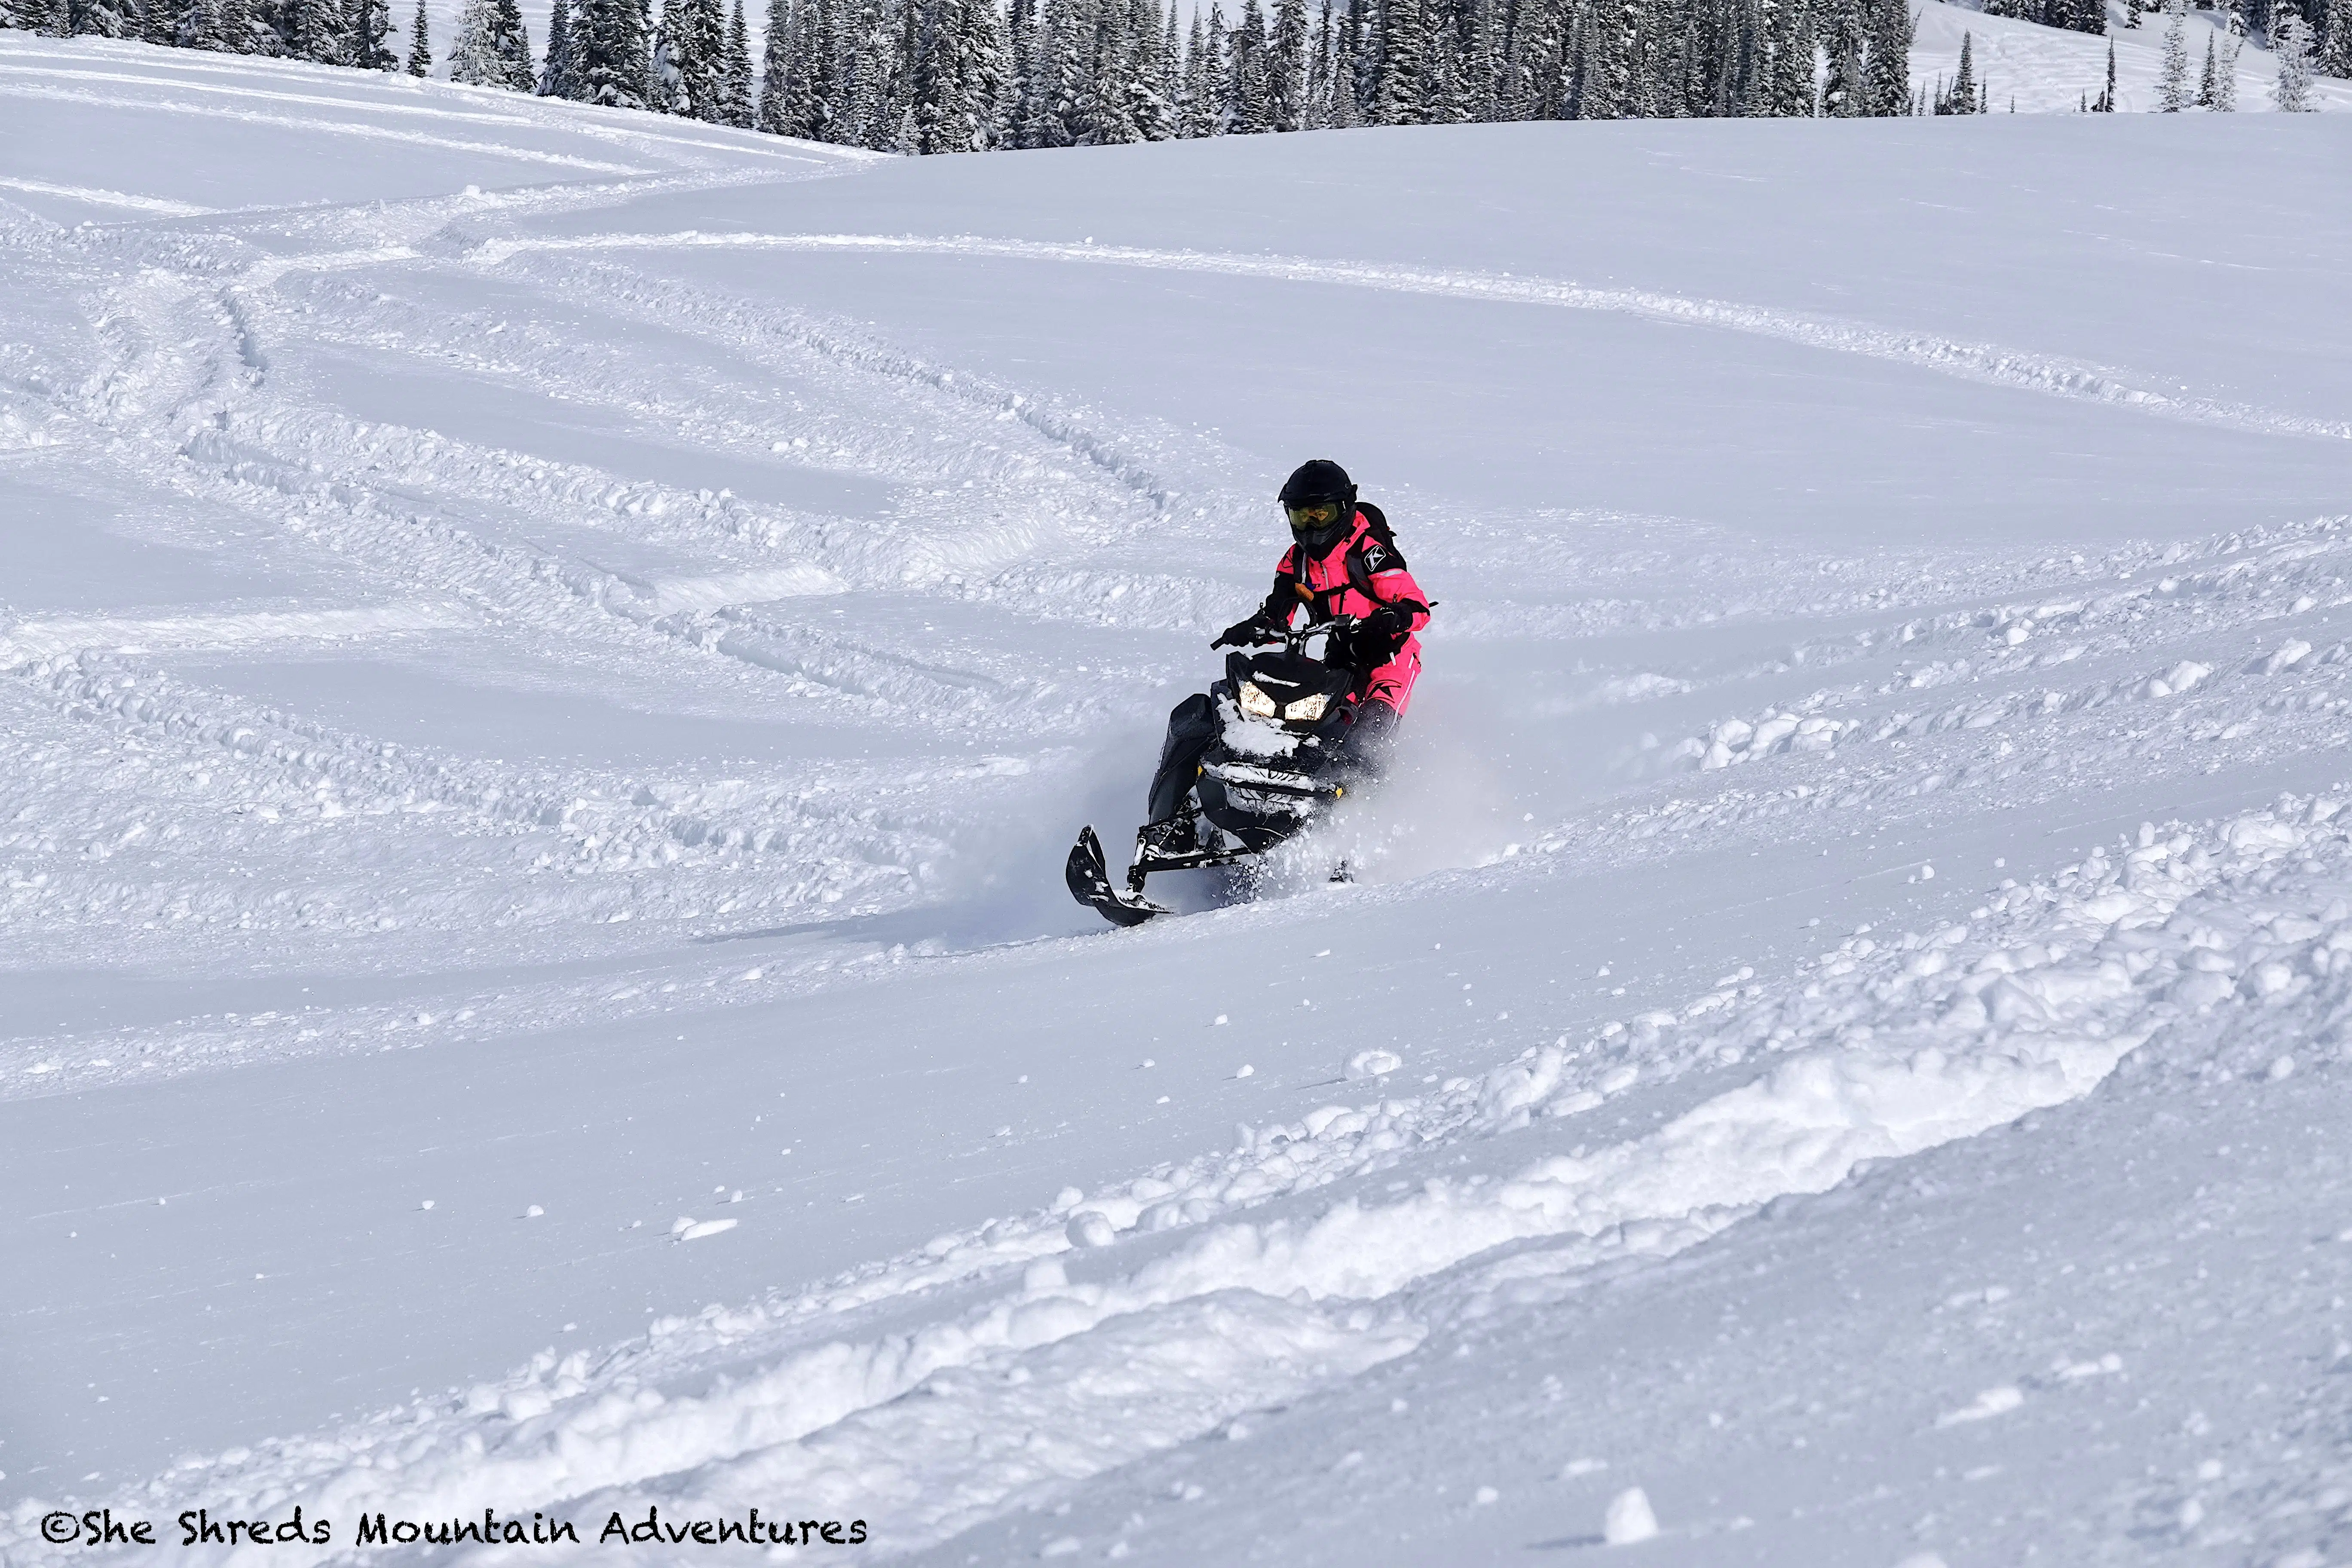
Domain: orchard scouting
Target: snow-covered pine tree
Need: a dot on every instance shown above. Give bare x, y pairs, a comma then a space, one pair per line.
673, 43
1169, 59
608, 52
1888, 26
1064, 37
1532, 83
737, 93
1148, 105
1316, 114
558, 76
2173, 93
101, 19
2334, 57
905, 37
1118, 75
2131, 13
1789, 26
1020, 41
865, 75
1605, 74
420, 46
938, 97
776, 114
2225, 75
1842, 93
371, 35
1286, 60
1202, 76
1403, 63
2205, 78
318, 30
1245, 69
2290, 49
2106, 100
1962, 99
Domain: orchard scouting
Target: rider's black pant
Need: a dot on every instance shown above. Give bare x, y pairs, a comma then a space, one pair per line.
1193, 723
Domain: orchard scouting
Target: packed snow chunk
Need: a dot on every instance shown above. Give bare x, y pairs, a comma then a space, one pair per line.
2291, 652
1990, 1403
1921, 1559
1244, 1070
1575, 1468
1629, 1518
533, 1212
1372, 1064
1091, 1228
1486, 1496
2282, 1067
695, 1230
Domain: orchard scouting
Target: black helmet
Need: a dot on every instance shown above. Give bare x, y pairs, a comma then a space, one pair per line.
1320, 501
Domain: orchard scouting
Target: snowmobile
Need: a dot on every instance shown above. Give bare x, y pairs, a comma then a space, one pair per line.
1274, 767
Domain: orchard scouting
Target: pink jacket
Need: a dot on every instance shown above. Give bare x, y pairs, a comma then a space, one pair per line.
1362, 572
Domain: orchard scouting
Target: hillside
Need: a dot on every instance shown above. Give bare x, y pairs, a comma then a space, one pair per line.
551, 657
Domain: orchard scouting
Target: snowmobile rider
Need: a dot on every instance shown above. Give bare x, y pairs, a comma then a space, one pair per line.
1342, 561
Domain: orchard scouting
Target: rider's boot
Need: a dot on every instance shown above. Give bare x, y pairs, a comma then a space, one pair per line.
1180, 835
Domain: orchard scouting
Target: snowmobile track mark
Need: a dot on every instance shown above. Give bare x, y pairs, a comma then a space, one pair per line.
1973, 361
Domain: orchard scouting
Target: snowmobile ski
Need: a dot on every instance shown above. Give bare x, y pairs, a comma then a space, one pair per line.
1088, 875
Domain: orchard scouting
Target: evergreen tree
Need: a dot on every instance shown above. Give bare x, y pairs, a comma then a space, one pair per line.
556, 75
2106, 104
1108, 100
1887, 87
1202, 74
371, 35
1962, 99
101, 19
2205, 79
1842, 88
318, 30
777, 115
2172, 93
1789, 26
1286, 58
1148, 106
736, 96
608, 49
2131, 13
491, 49
1403, 63
2335, 39
689, 70
2291, 46
1246, 110
1053, 117
2225, 76
1020, 50
420, 47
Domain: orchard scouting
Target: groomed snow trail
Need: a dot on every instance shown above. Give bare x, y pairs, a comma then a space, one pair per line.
549, 659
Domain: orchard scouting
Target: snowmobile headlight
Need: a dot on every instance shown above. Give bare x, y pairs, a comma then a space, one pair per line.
1307, 710
1256, 703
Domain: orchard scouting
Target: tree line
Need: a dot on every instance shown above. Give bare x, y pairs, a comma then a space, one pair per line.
953, 76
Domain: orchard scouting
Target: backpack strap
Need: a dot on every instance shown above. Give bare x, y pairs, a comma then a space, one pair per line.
1375, 551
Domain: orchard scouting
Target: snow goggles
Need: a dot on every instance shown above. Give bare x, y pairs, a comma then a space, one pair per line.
1309, 516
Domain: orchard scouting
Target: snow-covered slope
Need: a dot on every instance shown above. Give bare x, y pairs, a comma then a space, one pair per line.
551, 659
2050, 70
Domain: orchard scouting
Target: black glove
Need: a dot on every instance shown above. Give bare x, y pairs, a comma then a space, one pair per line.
1247, 634
1367, 644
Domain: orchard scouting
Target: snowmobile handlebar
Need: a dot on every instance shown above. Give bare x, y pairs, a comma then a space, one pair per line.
1295, 638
